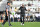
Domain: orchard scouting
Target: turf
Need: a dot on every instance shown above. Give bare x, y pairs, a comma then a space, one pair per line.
17, 24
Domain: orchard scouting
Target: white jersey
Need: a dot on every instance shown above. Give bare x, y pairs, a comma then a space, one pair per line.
11, 16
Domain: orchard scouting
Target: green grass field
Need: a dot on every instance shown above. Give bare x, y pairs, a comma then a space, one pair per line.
17, 24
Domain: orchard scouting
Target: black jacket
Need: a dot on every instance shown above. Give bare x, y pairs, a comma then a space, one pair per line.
22, 10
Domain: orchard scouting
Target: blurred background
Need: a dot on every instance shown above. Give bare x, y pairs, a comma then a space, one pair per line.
32, 5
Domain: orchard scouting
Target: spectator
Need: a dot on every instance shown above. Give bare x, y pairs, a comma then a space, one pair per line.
11, 17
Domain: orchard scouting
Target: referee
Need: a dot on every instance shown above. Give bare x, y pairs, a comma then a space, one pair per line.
7, 13
22, 8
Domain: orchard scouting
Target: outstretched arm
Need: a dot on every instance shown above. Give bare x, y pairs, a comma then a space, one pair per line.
20, 8
25, 9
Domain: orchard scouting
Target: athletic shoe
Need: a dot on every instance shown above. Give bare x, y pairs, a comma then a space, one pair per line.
21, 23
10, 25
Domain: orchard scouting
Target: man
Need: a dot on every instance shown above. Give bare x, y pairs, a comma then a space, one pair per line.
22, 8
7, 13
